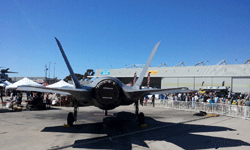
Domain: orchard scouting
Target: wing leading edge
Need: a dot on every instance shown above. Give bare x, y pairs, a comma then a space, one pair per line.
77, 93
136, 94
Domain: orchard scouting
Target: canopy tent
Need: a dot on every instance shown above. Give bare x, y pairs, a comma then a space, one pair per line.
23, 82
44, 90
5, 83
53, 88
61, 84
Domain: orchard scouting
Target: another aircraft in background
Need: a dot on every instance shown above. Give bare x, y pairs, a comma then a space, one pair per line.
105, 92
4, 76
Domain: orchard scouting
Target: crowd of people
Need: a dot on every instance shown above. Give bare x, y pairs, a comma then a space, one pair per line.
36, 100
240, 99
231, 98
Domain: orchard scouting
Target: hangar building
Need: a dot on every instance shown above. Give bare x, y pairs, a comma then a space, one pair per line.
237, 77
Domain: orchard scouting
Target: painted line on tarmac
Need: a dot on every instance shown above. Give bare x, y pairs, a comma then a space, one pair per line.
127, 134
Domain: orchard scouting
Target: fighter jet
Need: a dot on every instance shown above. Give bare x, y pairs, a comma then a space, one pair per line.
4, 76
105, 92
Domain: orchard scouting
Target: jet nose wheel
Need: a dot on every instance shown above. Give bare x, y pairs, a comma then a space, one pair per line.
141, 119
70, 119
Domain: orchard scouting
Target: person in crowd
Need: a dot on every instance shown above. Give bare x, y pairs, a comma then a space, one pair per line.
146, 100
175, 97
183, 98
229, 95
172, 97
240, 101
223, 99
11, 95
193, 101
161, 96
179, 96
153, 100
165, 96
34, 95
201, 97
247, 96
14, 93
216, 99
186, 100
28, 95
205, 98
19, 98
247, 103
211, 103
196, 97
211, 95
2, 95
234, 101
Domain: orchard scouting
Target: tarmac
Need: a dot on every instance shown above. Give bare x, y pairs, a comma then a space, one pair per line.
166, 129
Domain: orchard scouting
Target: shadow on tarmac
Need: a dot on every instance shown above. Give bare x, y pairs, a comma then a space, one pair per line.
122, 131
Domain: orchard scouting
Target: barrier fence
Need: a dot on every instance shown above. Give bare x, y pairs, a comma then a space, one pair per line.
217, 108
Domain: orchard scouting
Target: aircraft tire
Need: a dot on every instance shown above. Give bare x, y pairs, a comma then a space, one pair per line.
70, 118
141, 118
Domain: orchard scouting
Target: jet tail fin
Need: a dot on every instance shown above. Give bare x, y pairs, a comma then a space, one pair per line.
76, 82
145, 68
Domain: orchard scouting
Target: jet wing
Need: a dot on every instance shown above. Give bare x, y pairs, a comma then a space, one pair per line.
77, 93
142, 92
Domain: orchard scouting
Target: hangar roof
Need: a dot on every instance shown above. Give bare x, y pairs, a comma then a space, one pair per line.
241, 70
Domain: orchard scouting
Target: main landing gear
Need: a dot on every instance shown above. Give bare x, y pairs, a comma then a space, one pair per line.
140, 116
72, 117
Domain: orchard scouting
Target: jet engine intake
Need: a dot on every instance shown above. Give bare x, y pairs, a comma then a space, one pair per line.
107, 94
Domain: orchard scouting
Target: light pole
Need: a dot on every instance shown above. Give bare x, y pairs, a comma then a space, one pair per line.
49, 69
54, 69
46, 71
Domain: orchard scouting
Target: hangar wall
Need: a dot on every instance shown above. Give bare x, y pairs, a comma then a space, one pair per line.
237, 77
195, 83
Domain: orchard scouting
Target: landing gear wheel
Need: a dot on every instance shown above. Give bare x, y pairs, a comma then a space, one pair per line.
70, 119
141, 118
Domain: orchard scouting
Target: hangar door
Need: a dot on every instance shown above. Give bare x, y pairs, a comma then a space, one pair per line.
169, 83
241, 85
186, 82
177, 82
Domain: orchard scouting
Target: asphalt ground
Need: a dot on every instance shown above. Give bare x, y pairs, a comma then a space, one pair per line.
166, 129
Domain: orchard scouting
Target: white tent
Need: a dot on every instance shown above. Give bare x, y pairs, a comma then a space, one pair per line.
24, 81
61, 84
5, 83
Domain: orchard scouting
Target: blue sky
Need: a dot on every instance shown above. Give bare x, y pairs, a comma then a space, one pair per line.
110, 34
